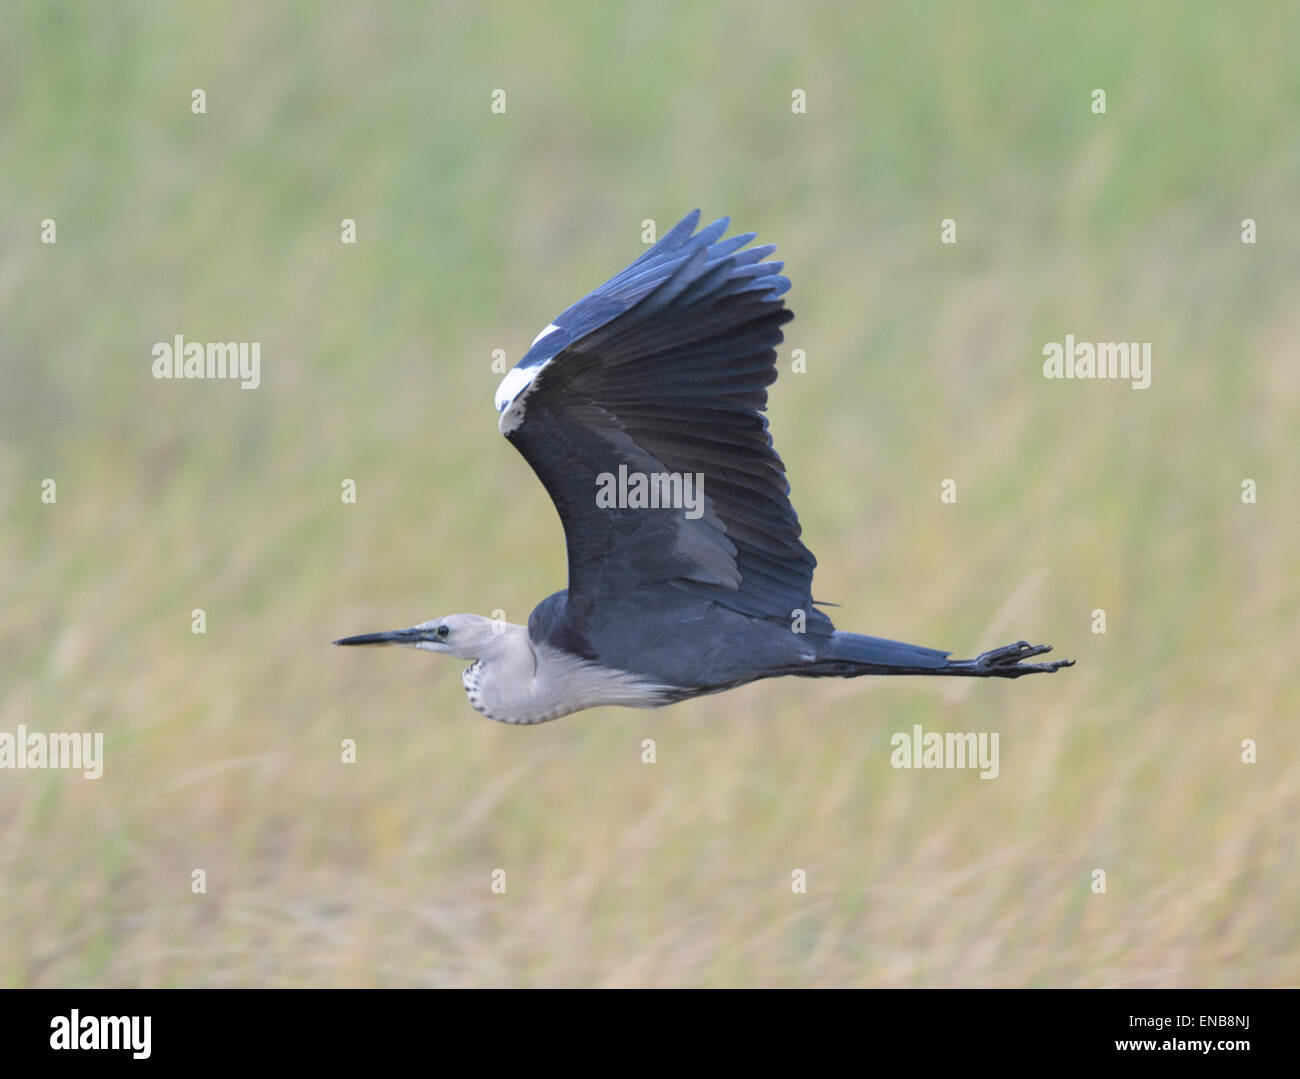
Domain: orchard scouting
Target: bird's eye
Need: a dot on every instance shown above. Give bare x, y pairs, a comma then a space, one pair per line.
441, 632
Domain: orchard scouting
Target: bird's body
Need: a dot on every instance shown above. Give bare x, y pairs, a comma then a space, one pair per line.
640, 410
519, 679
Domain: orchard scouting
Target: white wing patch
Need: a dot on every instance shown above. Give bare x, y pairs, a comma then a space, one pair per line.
511, 393
514, 388
517, 379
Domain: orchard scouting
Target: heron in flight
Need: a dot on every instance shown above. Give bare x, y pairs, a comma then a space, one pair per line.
640, 409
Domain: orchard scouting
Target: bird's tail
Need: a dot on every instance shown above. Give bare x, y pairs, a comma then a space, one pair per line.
856, 653
851, 654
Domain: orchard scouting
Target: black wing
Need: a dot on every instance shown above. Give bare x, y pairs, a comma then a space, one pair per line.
665, 369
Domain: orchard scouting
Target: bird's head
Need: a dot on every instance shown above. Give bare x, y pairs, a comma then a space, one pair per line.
466, 636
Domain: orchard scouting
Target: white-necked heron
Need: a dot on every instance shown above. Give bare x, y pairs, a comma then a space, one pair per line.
640, 408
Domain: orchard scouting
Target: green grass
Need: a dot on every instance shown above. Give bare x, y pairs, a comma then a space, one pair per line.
923, 364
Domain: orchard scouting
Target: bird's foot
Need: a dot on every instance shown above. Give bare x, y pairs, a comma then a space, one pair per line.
1008, 662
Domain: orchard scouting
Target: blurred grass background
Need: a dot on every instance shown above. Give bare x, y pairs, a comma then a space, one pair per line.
924, 363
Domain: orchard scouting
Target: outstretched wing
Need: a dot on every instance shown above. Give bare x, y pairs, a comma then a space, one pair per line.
664, 369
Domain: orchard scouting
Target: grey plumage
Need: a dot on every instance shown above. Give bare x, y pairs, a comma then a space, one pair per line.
664, 370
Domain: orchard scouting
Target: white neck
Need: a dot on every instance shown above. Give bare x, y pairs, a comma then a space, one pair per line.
517, 681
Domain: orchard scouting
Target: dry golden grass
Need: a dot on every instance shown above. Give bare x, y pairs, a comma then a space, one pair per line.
923, 363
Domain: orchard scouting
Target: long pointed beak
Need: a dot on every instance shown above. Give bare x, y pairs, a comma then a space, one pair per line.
392, 636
